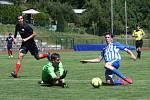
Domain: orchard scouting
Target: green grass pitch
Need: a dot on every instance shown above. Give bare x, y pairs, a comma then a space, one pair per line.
79, 77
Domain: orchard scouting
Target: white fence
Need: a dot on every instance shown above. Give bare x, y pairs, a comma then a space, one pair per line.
42, 46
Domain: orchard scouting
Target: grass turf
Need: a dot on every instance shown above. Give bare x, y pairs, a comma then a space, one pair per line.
78, 78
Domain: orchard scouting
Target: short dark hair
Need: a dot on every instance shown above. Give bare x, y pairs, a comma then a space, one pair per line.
20, 16
10, 34
109, 33
55, 56
137, 25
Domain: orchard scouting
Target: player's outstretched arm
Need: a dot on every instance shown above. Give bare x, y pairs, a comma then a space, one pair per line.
83, 61
131, 53
96, 60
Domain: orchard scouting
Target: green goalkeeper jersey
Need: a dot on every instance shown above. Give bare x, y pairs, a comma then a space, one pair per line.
51, 70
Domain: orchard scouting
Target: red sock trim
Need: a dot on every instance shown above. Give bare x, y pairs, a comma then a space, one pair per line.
44, 55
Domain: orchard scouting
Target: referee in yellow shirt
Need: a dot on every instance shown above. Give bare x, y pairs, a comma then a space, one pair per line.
138, 34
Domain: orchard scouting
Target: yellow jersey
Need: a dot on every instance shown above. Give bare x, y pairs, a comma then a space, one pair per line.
138, 34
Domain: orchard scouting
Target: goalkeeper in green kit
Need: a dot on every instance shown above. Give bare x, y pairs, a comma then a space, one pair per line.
53, 73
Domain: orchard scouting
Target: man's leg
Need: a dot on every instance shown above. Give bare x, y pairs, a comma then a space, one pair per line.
109, 75
138, 54
109, 79
8, 53
11, 53
43, 56
139, 44
118, 73
116, 64
35, 52
18, 64
8, 50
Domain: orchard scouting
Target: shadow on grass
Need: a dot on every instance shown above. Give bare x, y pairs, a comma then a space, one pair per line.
106, 84
19, 76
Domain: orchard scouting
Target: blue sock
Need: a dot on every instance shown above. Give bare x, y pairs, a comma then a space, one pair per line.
118, 73
117, 82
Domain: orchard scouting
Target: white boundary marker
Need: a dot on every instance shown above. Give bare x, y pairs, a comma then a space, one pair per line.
18, 79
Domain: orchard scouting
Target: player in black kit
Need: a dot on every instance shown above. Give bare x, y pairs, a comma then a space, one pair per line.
9, 41
28, 44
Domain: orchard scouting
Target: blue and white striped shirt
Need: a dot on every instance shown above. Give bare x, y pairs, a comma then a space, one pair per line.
111, 52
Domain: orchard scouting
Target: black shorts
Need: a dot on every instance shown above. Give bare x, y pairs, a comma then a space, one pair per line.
30, 46
9, 46
139, 43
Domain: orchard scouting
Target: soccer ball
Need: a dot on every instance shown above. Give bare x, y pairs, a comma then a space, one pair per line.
96, 82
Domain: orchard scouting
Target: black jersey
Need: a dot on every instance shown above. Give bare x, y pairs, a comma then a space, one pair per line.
9, 40
24, 30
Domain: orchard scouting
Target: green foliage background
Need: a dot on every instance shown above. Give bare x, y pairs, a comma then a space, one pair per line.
96, 18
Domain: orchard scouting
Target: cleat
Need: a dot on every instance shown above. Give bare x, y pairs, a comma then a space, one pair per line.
49, 56
40, 82
11, 56
130, 81
13, 74
64, 85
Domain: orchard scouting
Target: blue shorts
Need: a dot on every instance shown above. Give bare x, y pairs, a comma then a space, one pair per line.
110, 74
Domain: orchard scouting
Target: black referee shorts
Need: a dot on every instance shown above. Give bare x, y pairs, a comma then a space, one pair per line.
139, 43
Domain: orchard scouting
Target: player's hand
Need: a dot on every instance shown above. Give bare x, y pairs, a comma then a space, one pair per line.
83, 61
24, 40
15, 41
64, 74
57, 78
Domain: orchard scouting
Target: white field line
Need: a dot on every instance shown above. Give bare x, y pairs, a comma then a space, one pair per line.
18, 79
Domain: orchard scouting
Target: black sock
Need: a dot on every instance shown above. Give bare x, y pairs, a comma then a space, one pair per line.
139, 54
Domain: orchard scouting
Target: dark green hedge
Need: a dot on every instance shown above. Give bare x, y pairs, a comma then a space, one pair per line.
8, 14
41, 19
